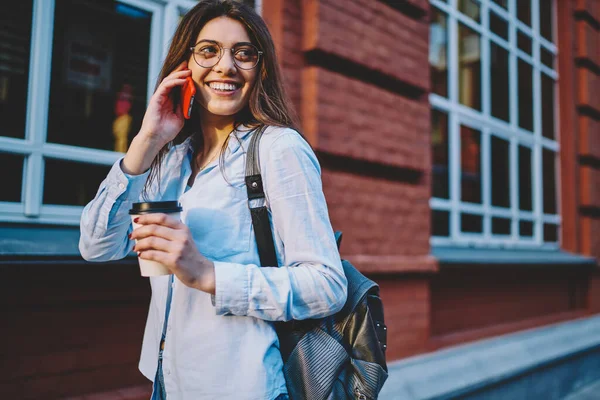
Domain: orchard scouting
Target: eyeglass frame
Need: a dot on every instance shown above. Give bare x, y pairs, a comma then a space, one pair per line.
259, 52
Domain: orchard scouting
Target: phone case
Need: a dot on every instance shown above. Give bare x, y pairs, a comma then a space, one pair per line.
188, 92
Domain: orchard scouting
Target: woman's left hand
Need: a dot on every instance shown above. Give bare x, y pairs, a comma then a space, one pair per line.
168, 241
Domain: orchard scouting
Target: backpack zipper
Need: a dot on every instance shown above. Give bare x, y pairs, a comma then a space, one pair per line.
359, 395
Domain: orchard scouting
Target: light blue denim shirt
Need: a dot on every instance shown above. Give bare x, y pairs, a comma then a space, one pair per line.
226, 347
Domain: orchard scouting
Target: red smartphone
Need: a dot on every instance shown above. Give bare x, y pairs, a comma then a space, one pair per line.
188, 92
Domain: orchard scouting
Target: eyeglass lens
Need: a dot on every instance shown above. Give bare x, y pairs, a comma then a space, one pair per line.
208, 54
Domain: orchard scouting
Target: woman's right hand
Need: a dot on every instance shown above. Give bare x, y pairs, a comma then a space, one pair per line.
162, 122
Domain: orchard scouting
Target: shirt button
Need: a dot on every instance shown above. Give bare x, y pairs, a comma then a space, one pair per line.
121, 186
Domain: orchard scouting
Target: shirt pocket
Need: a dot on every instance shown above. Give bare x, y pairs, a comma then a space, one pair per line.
221, 225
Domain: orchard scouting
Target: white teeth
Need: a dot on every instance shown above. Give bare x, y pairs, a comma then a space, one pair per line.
222, 86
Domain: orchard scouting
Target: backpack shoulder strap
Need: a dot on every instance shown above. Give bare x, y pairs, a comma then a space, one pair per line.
257, 202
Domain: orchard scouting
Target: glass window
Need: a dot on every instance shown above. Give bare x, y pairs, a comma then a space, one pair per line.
524, 42
502, 3
525, 188
546, 19
501, 226
11, 164
470, 162
469, 70
500, 173
550, 233
546, 57
99, 74
71, 183
524, 11
499, 25
470, 223
525, 73
526, 228
15, 42
547, 106
470, 8
440, 223
549, 172
499, 82
438, 52
439, 125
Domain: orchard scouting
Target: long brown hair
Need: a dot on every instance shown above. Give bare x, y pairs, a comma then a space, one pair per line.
268, 103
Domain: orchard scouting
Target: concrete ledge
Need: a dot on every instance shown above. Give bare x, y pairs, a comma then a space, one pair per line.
465, 369
449, 255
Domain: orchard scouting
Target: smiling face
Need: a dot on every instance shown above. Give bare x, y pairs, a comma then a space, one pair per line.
224, 89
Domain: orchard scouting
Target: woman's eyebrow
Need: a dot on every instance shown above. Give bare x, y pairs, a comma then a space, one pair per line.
221, 44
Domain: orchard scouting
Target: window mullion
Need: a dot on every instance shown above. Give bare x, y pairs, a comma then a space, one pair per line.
453, 123
38, 95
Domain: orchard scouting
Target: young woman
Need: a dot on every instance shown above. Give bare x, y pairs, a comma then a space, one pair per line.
209, 333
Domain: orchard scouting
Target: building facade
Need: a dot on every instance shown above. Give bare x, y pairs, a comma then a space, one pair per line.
459, 141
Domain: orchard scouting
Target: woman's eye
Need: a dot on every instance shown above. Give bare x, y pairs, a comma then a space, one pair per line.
244, 54
208, 51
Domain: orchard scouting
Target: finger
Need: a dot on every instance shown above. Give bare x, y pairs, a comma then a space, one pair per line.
168, 84
159, 219
155, 255
161, 231
179, 74
153, 243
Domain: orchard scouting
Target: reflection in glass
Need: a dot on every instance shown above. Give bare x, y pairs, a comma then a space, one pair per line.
469, 70
546, 19
11, 164
549, 172
470, 8
471, 223
524, 42
441, 223
499, 82
524, 11
525, 95
439, 146
470, 161
500, 173
546, 57
547, 106
438, 52
525, 188
15, 34
550, 233
99, 74
71, 183
526, 228
498, 25
500, 226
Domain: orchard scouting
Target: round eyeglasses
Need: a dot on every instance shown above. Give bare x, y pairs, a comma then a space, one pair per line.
207, 54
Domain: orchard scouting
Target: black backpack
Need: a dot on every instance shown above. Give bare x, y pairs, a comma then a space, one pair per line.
338, 357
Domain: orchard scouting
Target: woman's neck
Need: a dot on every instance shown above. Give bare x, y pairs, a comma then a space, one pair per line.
215, 130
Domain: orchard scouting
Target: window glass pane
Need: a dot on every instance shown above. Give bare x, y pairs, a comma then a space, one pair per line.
503, 3
439, 145
526, 228
525, 189
15, 40
500, 173
546, 18
499, 83
549, 172
441, 223
99, 75
525, 95
498, 25
470, 8
438, 52
547, 106
469, 71
546, 57
524, 11
471, 223
470, 161
550, 233
11, 186
72, 183
500, 226
524, 42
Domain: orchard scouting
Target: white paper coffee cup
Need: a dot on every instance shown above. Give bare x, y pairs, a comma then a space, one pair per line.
172, 208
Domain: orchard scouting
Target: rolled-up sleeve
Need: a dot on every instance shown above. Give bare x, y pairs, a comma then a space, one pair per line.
105, 220
311, 281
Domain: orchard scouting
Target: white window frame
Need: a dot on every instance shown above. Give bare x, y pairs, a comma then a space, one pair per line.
34, 148
488, 125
